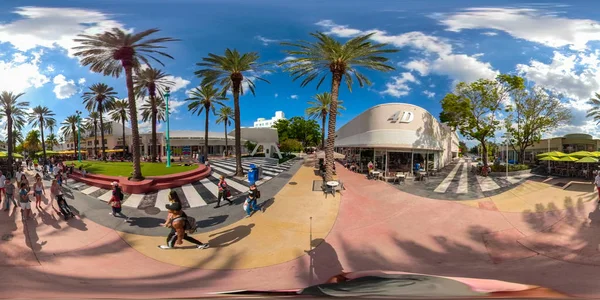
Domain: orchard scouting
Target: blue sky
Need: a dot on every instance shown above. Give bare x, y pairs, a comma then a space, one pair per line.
440, 42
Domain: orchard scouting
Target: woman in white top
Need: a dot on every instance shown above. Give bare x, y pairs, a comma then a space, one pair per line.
38, 187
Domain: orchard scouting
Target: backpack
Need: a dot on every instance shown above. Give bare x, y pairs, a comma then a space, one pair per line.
190, 225
120, 194
257, 194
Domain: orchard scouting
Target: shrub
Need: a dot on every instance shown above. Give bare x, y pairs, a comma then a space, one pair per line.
290, 145
286, 158
511, 168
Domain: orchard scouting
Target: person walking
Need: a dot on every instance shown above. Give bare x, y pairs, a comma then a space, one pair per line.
597, 184
25, 202
2, 190
38, 188
115, 202
18, 176
176, 220
10, 191
224, 192
251, 203
64, 208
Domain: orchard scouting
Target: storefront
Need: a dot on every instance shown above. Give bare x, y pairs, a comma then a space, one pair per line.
396, 136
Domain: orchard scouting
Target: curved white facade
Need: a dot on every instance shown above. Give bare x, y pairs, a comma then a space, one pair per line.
399, 127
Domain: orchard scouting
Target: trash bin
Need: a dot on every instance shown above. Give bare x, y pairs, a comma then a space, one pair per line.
259, 170
252, 174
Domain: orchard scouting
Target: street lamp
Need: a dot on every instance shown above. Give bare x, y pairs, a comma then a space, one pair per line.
167, 95
79, 133
507, 141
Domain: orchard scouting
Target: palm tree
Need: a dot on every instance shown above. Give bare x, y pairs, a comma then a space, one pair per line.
38, 118
319, 109
69, 128
100, 97
119, 114
17, 137
14, 112
149, 107
111, 52
92, 123
204, 99
224, 116
228, 71
51, 141
51, 124
328, 56
150, 81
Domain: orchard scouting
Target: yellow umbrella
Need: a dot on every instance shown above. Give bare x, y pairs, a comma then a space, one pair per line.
581, 154
568, 159
550, 158
553, 153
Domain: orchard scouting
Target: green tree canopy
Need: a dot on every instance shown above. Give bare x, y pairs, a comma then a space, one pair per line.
290, 145
307, 132
473, 108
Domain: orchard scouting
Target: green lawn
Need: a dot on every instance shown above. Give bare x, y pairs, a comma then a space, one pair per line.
125, 168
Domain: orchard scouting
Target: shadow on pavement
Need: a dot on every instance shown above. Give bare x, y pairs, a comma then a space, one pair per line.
211, 221
324, 261
265, 205
31, 235
230, 236
76, 222
49, 219
145, 222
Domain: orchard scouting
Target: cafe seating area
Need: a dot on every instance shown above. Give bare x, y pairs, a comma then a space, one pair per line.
581, 164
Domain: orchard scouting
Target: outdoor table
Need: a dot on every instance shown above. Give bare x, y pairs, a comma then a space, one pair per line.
432, 172
422, 175
332, 185
400, 178
376, 174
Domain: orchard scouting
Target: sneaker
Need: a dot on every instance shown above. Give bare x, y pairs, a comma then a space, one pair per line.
164, 247
203, 246
111, 214
247, 216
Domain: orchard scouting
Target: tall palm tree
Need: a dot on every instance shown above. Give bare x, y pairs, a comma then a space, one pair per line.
92, 123
69, 128
151, 81
51, 141
14, 111
154, 107
204, 99
100, 97
224, 116
51, 124
328, 56
228, 71
119, 114
112, 52
594, 112
39, 117
17, 137
319, 109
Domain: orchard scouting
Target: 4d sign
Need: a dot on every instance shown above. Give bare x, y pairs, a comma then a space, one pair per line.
402, 117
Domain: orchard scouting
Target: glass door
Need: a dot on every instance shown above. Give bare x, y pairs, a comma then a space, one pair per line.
380, 160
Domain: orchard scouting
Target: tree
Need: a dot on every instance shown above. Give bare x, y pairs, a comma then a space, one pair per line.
283, 129
290, 145
51, 124
17, 137
250, 146
204, 99
112, 52
100, 98
308, 132
69, 128
156, 107
319, 109
51, 141
328, 56
473, 107
224, 116
38, 118
151, 81
462, 146
474, 150
92, 123
32, 142
14, 111
533, 113
230, 71
119, 115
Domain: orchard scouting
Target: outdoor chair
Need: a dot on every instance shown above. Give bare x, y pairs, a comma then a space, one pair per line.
390, 176
327, 190
340, 187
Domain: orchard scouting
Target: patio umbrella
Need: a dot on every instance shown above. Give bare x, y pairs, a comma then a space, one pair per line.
596, 154
587, 160
5, 154
48, 152
553, 153
568, 159
550, 158
581, 154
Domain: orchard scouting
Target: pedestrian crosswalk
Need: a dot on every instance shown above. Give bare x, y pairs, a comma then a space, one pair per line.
196, 194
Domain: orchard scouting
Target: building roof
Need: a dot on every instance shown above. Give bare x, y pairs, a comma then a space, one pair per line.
197, 134
258, 134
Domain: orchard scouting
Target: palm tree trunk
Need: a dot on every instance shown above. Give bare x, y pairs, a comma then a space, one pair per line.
335, 89
96, 138
101, 111
124, 144
238, 137
135, 134
43, 143
10, 145
74, 137
206, 133
226, 146
153, 151
323, 131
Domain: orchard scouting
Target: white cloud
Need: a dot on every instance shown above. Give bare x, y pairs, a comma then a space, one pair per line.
50, 68
81, 81
294, 96
276, 95
265, 40
19, 76
398, 87
534, 25
490, 33
439, 56
19, 58
50, 27
64, 88
180, 83
429, 94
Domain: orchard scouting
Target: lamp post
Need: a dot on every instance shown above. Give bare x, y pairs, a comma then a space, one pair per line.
79, 134
507, 141
167, 95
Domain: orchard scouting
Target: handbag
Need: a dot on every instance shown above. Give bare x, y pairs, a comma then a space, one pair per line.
227, 193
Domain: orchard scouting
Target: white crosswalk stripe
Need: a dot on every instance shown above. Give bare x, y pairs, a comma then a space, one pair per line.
106, 197
193, 198
133, 200
90, 190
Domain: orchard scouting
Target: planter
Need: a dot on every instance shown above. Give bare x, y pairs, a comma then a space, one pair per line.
513, 173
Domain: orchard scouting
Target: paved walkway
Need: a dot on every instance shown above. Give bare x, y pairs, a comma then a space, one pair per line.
545, 237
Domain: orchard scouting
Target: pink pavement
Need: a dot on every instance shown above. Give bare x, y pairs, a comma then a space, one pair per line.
378, 227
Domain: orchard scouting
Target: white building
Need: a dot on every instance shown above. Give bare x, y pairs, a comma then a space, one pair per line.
264, 123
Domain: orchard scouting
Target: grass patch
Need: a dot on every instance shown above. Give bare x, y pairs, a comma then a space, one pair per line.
125, 168
286, 157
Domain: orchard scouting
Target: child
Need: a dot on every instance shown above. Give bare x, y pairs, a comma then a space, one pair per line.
10, 191
24, 201
115, 201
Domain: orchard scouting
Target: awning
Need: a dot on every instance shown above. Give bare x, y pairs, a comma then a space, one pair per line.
321, 154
